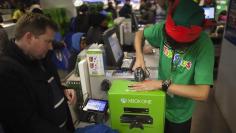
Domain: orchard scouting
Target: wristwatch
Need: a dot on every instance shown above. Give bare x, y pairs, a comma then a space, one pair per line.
165, 85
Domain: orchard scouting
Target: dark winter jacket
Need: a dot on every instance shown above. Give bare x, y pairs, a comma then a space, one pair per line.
31, 97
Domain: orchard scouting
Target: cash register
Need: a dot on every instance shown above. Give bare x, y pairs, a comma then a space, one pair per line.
114, 53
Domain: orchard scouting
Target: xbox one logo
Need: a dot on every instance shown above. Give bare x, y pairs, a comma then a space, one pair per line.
123, 100
135, 101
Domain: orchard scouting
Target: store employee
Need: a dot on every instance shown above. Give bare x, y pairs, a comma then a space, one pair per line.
186, 62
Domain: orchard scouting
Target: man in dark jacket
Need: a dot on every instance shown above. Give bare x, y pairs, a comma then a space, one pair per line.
31, 96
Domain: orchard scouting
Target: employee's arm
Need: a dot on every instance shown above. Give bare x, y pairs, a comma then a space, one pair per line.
195, 92
138, 48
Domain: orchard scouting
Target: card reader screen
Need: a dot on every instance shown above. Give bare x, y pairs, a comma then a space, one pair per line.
97, 105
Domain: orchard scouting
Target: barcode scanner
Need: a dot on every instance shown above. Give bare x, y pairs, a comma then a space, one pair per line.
105, 85
140, 74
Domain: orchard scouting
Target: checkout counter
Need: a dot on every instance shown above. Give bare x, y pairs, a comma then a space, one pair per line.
130, 117
151, 61
90, 84
104, 79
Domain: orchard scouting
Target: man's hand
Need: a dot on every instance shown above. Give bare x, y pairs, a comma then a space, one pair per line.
146, 85
71, 96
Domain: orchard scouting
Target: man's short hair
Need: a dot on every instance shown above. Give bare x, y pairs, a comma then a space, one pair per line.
34, 23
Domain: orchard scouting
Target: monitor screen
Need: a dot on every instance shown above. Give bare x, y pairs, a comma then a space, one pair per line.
114, 52
115, 47
96, 105
209, 12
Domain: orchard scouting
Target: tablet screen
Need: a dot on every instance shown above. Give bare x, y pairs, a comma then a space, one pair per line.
96, 105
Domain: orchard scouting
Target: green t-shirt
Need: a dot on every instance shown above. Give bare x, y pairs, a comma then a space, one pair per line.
194, 66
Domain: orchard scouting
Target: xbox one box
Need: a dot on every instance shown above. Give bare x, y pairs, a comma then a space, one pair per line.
136, 111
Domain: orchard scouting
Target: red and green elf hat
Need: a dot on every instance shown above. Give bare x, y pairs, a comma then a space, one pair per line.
184, 21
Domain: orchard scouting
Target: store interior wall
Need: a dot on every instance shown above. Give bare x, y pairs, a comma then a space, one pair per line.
225, 89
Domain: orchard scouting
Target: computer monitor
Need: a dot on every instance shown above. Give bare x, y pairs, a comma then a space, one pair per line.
114, 52
209, 12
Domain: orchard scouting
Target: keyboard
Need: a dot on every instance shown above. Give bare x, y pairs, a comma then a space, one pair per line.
127, 64
119, 74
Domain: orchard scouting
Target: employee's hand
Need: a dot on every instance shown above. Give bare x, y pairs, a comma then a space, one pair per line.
71, 96
139, 63
146, 85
